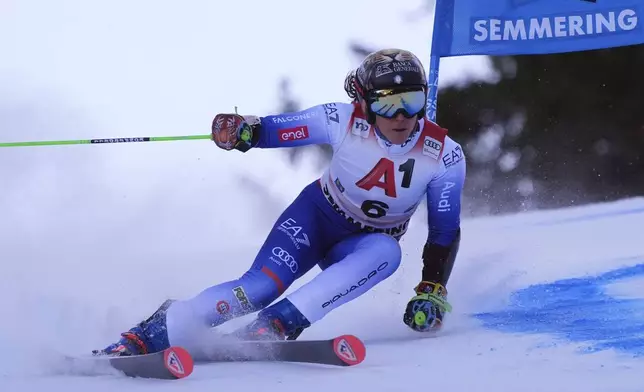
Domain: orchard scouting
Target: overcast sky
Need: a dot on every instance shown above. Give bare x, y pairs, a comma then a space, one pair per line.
166, 66
75, 69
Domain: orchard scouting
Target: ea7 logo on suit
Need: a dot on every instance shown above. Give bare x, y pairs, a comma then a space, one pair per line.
295, 232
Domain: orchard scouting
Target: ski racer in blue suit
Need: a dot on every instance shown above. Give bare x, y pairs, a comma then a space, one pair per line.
387, 158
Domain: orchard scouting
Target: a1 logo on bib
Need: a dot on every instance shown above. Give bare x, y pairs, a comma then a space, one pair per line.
432, 147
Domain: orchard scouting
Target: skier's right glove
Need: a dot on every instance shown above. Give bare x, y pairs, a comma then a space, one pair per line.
232, 131
426, 309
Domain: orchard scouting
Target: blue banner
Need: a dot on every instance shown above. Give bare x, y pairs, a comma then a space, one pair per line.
513, 27
516, 27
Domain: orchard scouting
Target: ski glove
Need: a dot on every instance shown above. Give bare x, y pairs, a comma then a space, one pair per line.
232, 131
425, 310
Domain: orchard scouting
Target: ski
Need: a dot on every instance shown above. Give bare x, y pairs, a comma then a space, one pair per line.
176, 363
170, 364
343, 350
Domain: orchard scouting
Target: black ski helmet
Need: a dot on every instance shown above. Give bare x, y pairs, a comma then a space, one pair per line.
386, 69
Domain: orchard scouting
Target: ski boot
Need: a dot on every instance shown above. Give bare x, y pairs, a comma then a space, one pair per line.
149, 336
281, 321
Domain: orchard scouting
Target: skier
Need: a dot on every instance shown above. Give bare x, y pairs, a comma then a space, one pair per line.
387, 158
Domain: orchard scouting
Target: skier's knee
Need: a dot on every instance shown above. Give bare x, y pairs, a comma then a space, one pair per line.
382, 247
373, 246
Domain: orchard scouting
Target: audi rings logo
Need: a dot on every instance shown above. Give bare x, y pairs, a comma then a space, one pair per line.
432, 143
286, 258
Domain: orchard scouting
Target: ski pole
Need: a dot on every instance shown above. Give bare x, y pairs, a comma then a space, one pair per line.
105, 141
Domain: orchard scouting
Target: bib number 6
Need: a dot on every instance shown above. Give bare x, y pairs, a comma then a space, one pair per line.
374, 208
383, 176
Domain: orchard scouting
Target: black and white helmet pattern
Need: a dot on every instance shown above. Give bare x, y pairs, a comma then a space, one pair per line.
390, 68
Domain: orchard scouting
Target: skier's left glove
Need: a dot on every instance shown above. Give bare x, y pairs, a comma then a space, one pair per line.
426, 309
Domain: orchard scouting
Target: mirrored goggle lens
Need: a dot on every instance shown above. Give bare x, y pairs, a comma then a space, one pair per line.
388, 103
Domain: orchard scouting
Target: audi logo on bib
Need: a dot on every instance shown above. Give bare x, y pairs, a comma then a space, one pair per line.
286, 258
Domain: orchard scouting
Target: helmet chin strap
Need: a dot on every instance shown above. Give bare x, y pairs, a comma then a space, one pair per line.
383, 137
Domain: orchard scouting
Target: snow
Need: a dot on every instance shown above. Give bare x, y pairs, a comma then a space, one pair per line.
90, 249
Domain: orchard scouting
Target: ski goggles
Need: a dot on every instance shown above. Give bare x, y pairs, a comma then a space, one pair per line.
389, 102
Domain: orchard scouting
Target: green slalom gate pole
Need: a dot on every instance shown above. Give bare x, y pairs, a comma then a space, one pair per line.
106, 141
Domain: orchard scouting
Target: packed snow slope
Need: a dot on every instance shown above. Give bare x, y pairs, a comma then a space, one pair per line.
548, 300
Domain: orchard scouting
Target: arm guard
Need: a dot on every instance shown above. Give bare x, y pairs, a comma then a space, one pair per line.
438, 260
